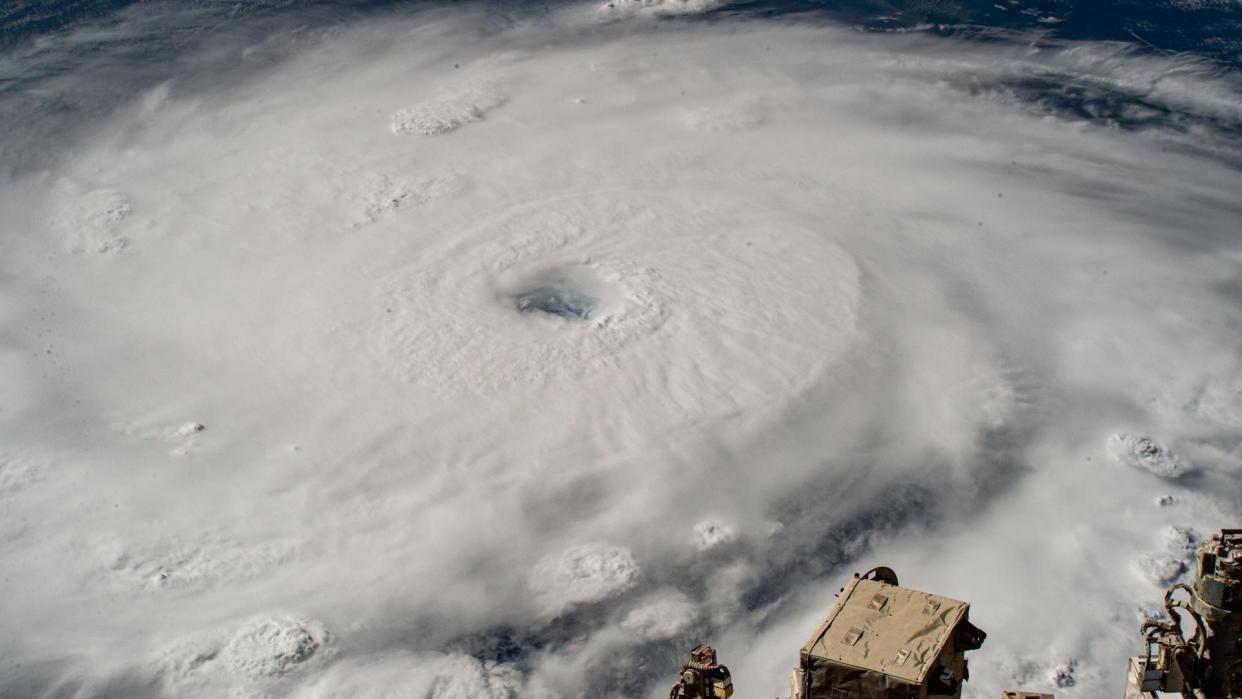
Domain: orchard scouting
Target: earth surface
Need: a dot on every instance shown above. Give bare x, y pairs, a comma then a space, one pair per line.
500, 349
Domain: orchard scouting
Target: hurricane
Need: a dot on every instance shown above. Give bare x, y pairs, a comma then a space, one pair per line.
498, 349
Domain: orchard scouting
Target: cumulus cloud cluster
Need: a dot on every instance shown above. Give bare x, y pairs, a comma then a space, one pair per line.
445, 353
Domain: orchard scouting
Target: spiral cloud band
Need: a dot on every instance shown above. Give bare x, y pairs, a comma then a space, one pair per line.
476, 352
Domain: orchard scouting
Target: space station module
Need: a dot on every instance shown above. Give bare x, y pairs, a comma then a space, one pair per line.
881, 640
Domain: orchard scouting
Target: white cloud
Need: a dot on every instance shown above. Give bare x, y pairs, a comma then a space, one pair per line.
660, 616
582, 575
840, 299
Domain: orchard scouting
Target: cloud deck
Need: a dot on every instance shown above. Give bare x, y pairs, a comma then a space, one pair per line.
803, 298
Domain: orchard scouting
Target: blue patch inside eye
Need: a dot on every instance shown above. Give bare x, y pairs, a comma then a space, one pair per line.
554, 301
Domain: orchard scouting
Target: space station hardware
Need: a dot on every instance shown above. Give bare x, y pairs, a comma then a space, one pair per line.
884, 641
702, 677
1208, 665
879, 641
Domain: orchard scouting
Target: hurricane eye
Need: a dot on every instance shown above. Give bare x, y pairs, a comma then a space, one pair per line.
556, 301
